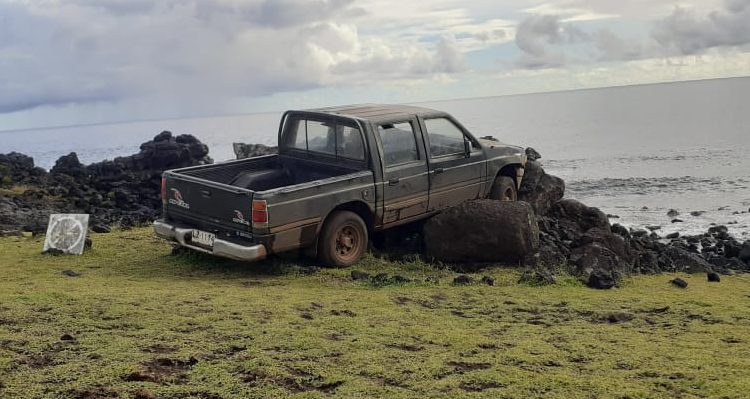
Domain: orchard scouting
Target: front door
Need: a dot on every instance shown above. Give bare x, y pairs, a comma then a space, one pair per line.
406, 182
456, 175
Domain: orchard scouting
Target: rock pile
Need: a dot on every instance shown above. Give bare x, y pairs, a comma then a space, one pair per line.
242, 150
575, 235
122, 191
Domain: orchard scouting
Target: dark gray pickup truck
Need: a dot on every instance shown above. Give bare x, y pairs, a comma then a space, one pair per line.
342, 173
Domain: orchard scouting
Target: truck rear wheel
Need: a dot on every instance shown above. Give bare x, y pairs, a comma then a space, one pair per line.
504, 189
343, 240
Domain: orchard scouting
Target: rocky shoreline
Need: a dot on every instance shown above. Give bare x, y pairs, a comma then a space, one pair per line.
544, 232
123, 192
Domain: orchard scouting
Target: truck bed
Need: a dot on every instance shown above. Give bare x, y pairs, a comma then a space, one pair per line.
266, 172
217, 198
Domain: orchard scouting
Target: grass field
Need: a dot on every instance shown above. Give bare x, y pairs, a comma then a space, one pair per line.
139, 323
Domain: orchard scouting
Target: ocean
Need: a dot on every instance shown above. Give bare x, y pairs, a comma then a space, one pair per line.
635, 152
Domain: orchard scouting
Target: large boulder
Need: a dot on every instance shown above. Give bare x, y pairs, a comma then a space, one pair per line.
687, 262
69, 165
595, 260
540, 189
482, 231
585, 217
17, 168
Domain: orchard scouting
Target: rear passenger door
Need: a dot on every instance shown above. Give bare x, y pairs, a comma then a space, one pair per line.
456, 175
406, 183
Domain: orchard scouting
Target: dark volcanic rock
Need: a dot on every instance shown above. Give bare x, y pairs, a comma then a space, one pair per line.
17, 168
122, 191
601, 280
482, 231
242, 150
532, 154
584, 216
360, 275
540, 189
687, 262
69, 165
537, 277
744, 254
463, 280
592, 258
713, 277
679, 283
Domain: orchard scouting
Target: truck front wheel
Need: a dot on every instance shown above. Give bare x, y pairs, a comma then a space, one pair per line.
504, 189
343, 239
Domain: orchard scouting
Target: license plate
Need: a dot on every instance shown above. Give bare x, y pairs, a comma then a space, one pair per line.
203, 238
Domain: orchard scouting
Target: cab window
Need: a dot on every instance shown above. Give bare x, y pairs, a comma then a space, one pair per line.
445, 137
324, 136
399, 143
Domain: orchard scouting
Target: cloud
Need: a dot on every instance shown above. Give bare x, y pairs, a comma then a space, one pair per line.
686, 33
539, 37
612, 47
206, 53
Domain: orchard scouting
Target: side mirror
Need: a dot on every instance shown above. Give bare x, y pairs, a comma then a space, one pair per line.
467, 148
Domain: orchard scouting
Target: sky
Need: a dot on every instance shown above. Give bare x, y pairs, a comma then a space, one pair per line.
96, 61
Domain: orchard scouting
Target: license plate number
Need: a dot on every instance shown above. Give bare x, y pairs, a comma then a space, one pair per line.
203, 238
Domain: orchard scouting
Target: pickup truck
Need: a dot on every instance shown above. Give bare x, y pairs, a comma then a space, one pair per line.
341, 175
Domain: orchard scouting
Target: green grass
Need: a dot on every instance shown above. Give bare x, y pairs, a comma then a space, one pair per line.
146, 324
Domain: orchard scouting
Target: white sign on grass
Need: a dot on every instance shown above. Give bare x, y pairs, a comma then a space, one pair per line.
67, 232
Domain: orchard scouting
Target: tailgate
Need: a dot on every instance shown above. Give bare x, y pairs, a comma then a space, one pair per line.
207, 205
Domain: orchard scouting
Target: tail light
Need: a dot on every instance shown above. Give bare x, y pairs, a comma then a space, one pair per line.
260, 213
163, 190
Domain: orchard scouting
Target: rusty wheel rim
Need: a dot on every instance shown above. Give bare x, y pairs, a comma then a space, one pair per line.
347, 243
507, 195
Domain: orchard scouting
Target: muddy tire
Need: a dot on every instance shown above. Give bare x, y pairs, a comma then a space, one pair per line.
343, 239
504, 189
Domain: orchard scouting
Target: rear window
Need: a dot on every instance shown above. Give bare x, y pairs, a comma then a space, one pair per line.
341, 139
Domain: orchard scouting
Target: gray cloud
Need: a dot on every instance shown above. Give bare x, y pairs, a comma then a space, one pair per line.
612, 47
687, 33
539, 37
448, 58
195, 53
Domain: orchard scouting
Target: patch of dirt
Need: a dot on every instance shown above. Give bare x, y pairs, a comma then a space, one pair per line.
387, 381
335, 337
476, 386
93, 393
38, 361
159, 348
143, 394
661, 310
163, 369
298, 381
401, 300
406, 347
617, 317
345, 312
464, 367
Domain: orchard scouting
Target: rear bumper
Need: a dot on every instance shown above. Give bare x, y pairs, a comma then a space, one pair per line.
221, 248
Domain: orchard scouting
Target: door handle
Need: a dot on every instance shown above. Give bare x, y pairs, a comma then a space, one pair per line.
394, 181
205, 193
437, 171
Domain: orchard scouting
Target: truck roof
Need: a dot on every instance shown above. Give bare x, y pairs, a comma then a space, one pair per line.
377, 112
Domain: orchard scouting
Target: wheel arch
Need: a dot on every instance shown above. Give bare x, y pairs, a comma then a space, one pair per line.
514, 171
358, 207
